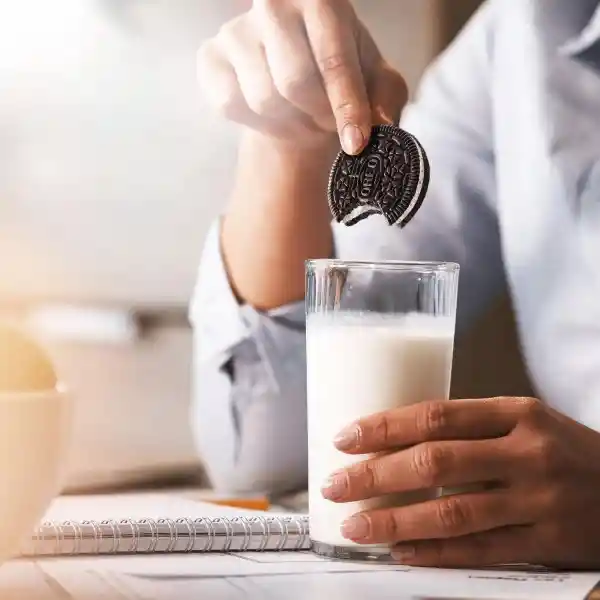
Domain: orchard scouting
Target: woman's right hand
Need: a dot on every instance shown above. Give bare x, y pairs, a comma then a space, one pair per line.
299, 71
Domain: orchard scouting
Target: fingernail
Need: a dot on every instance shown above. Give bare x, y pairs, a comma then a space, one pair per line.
352, 139
335, 486
347, 438
356, 528
403, 553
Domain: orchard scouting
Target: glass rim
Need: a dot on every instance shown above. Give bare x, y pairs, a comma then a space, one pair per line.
385, 265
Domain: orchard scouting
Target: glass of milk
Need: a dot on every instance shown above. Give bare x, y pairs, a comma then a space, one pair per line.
378, 336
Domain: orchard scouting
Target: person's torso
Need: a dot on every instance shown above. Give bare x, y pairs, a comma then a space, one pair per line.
546, 119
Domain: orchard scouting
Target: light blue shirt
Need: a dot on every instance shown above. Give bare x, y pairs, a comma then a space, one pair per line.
510, 119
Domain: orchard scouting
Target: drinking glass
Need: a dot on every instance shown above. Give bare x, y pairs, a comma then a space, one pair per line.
379, 335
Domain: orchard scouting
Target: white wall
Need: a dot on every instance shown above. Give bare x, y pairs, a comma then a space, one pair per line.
109, 169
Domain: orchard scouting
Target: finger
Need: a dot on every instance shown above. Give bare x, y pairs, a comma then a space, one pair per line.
291, 63
424, 466
442, 518
388, 93
248, 60
247, 57
333, 44
219, 83
443, 420
387, 90
511, 545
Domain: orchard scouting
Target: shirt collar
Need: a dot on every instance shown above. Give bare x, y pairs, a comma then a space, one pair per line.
586, 39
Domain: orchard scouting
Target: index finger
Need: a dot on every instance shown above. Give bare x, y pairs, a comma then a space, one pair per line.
333, 43
429, 421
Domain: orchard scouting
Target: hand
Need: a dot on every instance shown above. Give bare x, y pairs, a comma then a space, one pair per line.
299, 70
542, 507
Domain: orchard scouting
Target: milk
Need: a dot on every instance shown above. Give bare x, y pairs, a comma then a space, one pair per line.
359, 364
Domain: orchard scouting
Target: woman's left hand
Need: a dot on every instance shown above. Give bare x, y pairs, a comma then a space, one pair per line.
542, 507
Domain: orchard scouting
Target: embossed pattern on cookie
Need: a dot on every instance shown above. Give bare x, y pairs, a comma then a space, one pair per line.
389, 177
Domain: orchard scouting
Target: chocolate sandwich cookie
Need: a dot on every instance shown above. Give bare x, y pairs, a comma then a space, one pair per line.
389, 177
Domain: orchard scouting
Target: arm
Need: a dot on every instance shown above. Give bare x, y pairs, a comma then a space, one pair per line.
248, 410
265, 241
293, 73
250, 364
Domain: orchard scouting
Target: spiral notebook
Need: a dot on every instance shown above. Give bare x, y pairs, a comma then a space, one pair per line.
146, 524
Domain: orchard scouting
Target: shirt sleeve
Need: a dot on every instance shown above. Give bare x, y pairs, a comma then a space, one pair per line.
249, 408
249, 389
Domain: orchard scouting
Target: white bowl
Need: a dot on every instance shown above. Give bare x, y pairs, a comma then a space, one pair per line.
34, 438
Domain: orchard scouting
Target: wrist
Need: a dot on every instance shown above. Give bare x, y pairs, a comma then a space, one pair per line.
316, 154
278, 217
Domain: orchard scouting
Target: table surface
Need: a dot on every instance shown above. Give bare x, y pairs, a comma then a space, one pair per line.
26, 579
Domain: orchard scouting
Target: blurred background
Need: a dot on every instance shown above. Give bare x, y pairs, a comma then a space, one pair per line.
111, 171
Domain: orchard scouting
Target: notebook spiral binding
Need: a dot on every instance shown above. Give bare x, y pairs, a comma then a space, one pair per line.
126, 536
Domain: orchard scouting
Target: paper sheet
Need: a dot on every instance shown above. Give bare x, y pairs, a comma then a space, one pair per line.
239, 576
27, 581
302, 576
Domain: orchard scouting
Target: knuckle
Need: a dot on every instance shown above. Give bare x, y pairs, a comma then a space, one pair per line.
271, 6
332, 66
263, 101
552, 501
432, 419
364, 478
544, 454
390, 526
453, 515
228, 104
274, 11
297, 85
350, 111
378, 430
221, 94
227, 32
343, 9
532, 408
232, 31
428, 464
228, 110
208, 59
